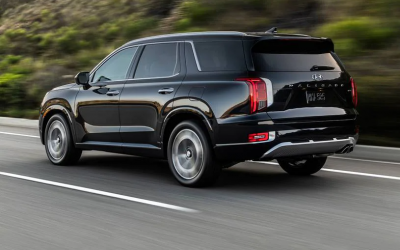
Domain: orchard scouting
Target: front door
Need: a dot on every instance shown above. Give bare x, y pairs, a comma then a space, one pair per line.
149, 93
98, 105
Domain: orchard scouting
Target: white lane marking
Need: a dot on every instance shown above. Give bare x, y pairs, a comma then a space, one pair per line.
103, 193
336, 157
355, 159
342, 171
361, 174
32, 136
376, 147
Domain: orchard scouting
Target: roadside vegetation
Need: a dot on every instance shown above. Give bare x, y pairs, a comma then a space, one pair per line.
45, 42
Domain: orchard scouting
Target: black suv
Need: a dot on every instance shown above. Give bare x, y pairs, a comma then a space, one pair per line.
206, 101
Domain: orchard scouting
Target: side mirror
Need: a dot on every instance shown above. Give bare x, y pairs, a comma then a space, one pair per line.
82, 78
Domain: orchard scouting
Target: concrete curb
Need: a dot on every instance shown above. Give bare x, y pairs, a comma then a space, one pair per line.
18, 122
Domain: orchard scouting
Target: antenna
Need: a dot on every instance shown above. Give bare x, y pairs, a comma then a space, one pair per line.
272, 30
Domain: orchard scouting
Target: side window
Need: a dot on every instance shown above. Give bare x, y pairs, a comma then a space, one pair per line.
220, 56
116, 67
158, 60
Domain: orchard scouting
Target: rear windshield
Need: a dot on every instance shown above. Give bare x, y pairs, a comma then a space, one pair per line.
294, 55
220, 56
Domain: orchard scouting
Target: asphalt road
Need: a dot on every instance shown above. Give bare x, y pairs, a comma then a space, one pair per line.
253, 205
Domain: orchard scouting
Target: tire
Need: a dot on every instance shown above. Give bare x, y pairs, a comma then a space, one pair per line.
59, 145
190, 156
302, 167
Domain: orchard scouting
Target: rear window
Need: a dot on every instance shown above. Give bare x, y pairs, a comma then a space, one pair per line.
220, 56
294, 55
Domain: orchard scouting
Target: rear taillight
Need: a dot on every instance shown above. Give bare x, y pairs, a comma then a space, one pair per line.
354, 92
258, 93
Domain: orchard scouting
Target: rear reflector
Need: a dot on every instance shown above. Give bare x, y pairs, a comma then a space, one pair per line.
258, 93
259, 137
354, 92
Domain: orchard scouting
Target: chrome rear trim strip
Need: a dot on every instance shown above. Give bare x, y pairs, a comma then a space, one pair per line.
311, 147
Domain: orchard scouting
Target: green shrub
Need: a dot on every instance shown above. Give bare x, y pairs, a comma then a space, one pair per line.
346, 47
365, 33
85, 60
12, 59
12, 92
23, 67
9, 78
183, 24
46, 41
15, 33
133, 29
8, 61
243, 4
109, 31
67, 40
196, 11
4, 44
45, 14
196, 29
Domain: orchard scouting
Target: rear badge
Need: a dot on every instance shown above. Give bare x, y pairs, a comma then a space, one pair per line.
315, 85
317, 77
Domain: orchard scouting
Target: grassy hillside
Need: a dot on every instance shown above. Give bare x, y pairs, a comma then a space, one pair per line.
44, 42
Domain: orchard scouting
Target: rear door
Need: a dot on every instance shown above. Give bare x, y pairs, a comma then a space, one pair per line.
149, 93
309, 82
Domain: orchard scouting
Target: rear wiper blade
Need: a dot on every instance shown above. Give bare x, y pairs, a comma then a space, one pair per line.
319, 67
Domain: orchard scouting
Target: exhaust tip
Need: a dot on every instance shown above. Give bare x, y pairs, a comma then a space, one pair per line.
345, 149
350, 149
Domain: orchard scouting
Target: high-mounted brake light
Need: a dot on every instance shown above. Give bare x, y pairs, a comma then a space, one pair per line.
258, 93
354, 92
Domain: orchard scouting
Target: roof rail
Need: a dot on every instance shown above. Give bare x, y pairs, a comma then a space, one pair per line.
272, 30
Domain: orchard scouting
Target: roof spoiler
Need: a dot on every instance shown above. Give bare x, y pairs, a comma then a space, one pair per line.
277, 43
272, 30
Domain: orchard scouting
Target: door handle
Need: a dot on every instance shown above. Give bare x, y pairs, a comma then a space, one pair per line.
113, 92
166, 91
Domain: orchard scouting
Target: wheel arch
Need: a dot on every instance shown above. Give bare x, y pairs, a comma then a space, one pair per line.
180, 114
49, 111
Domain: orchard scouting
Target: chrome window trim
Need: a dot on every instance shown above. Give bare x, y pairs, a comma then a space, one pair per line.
270, 91
149, 78
136, 45
195, 55
134, 79
144, 44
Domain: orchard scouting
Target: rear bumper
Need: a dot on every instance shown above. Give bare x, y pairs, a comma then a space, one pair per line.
289, 149
290, 140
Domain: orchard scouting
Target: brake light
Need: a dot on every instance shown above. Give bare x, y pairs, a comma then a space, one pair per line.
258, 93
259, 137
354, 92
